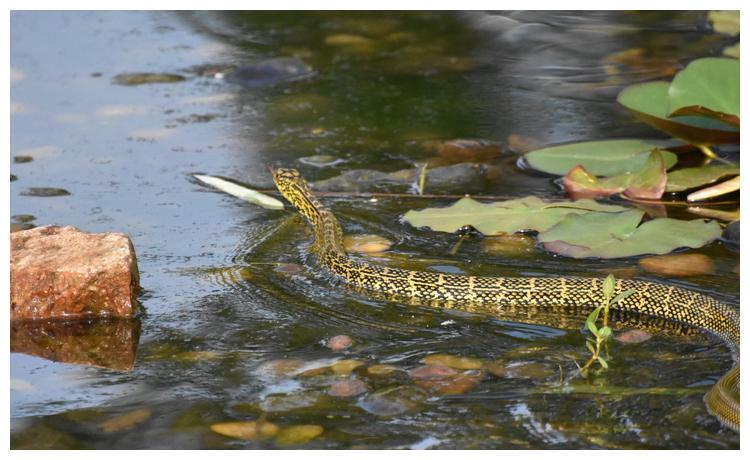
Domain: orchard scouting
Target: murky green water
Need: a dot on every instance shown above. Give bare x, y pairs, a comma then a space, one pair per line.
236, 314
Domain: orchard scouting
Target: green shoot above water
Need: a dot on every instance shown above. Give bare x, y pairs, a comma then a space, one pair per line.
601, 334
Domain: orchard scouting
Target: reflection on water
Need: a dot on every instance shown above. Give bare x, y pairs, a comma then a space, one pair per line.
109, 343
237, 315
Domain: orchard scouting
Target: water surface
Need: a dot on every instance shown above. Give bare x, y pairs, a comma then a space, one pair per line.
231, 297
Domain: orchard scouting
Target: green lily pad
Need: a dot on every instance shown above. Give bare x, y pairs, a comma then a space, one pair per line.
649, 102
684, 179
648, 182
607, 235
601, 158
528, 213
709, 87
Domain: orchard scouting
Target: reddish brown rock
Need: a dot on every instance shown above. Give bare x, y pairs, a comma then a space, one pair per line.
61, 272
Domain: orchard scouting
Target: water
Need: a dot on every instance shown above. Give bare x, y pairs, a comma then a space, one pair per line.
235, 310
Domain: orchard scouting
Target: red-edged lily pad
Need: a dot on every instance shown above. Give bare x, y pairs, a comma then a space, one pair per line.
650, 102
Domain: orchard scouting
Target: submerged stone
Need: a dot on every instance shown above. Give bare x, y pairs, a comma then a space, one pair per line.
17, 227
521, 370
125, 421
381, 369
143, 78
23, 159
678, 264
366, 244
454, 362
246, 431
633, 336
283, 403
393, 401
347, 387
513, 244
45, 192
339, 342
321, 161
270, 72
467, 150
23, 218
298, 434
731, 233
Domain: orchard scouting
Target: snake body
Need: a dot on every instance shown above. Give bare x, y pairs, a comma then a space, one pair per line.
529, 296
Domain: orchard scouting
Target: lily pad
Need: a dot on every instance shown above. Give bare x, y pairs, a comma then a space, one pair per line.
649, 102
687, 178
600, 158
648, 182
609, 236
528, 213
709, 87
240, 191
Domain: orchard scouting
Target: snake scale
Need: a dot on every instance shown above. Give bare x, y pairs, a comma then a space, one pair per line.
530, 295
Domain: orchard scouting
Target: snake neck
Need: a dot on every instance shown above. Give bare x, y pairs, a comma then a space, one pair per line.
329, 238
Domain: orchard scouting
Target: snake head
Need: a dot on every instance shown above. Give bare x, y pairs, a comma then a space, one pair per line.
286, 177
294, 188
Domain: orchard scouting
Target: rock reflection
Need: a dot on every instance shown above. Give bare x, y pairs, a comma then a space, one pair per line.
108, 343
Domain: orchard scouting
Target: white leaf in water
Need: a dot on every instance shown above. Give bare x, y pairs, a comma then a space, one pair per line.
732, 185
241, 192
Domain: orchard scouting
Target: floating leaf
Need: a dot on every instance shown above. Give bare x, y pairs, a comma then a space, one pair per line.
732, 185
601, 158
710, 87
687, 178
240, 191
649, 102
647, 182
608, 235
529, 213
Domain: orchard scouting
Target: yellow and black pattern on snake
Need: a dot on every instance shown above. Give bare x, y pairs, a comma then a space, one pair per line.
520, 296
